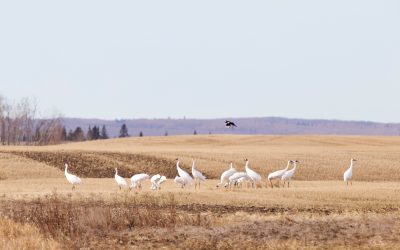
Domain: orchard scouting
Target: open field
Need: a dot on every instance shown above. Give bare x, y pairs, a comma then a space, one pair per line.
318, 211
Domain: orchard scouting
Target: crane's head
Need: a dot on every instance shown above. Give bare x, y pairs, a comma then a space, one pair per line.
246, 159
352, 159
176, 159
296, 161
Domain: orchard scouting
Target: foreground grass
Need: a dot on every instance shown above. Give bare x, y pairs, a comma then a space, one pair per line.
153, 221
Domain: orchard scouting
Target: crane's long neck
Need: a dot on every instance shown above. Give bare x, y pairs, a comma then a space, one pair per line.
192, 165
247, 164
287, 166
294, 166
231, 165
66, 169
177, 164
351, 165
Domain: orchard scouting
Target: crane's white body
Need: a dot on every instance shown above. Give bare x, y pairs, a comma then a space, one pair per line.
180, 181
160, 181
183, 174
136, 180
197, 175
254, 176
154, 179
288, 175
73, 179
348, 174
278, 174
234, 178
121, 182
225, 176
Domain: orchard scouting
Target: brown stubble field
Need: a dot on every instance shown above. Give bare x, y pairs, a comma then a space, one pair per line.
317, 212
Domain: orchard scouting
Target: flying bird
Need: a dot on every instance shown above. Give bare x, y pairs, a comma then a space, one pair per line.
230, 124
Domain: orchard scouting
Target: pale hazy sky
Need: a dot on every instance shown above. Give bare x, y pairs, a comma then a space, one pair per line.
204, 59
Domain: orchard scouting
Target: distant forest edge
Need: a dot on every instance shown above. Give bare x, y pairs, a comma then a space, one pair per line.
250, 126
20, 124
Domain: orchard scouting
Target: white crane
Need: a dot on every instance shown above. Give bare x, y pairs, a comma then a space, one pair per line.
181, 181
225, 176
242, 180
183, 174
154, 179
73, 179
160, 181
197, 175
288, 175
121, 182
254, 176
348, 174
136, 180
278, 174
233, 179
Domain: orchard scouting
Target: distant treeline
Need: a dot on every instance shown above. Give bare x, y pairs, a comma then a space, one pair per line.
19, 124
93, 133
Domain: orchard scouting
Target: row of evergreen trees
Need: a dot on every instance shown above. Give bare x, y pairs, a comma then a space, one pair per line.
95, 133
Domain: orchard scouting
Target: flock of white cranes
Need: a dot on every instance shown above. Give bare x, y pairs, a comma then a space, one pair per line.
229, 178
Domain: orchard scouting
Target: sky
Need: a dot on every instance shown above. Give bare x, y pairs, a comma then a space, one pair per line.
204, 59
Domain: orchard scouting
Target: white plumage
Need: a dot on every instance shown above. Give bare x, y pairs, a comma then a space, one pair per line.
73, 179
288, 175
136, 180
278, 174
197, 175
225, 176
348, 174
183, 174
121, 182
233, 179
154, 179
254, 176
160, 181
180, 180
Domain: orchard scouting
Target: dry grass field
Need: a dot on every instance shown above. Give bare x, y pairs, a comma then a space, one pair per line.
38, 210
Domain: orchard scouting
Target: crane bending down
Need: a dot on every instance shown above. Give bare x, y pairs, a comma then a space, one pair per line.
136, 180
288, 175
121, 182
225, 176
254, 176
154, 179
73, 179
234, 179
160, 181
278, 174
197, 175
348, 174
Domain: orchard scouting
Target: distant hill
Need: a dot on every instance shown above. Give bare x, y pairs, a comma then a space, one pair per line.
266, 125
